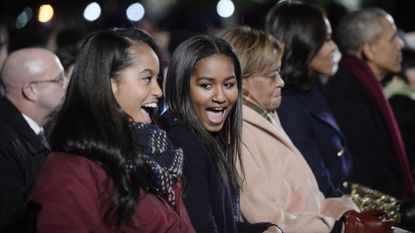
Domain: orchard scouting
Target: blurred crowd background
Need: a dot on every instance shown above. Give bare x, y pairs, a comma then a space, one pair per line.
53, 22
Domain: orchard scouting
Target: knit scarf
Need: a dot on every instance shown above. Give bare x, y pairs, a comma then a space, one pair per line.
368, 80
162, 163
259, 109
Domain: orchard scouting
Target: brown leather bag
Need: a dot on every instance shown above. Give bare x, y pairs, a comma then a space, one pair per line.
373, 221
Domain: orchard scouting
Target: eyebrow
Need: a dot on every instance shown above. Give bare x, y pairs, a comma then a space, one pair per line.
211, 79
148, 70
394, 35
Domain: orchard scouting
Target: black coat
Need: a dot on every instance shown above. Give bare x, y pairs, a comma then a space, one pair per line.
22, 154
361, 121
404, 110
208, 200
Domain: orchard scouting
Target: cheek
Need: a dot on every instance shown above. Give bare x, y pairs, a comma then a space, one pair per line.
233, 95
197, 100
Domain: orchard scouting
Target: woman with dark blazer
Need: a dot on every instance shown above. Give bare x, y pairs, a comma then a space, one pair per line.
304, 113
204, 119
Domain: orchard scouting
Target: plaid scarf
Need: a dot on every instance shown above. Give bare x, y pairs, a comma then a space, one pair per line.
161, 165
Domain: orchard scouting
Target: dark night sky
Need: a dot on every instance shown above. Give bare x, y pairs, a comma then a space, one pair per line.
185, 17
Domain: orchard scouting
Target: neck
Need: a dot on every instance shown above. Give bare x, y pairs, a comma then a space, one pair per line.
379, 74
31, 111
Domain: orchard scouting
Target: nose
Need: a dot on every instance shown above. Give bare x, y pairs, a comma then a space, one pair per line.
157, 92
66, 81
280, 82
218, 95
399, 42
333, 46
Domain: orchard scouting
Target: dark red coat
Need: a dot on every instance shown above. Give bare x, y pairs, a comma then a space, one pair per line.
68, 190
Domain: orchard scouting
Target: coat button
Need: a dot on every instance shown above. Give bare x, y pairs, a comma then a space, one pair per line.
340, 153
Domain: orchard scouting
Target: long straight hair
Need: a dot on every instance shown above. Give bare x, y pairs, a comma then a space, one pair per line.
177, 94
90, 123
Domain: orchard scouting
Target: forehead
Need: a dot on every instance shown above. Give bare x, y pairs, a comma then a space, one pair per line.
328, 26
387, 24
144, 57
214, 64
46, 64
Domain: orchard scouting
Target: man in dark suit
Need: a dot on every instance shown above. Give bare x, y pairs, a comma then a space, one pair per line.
371, 48
34, 85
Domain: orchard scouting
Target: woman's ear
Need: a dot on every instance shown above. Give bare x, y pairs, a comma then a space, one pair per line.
245, 85
114, 86
30, 92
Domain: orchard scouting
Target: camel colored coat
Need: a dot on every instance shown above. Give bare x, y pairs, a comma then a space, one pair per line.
279, 186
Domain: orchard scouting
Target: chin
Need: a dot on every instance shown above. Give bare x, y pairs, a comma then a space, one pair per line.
213, 129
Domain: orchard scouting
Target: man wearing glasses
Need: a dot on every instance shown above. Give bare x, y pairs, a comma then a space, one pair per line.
34, 84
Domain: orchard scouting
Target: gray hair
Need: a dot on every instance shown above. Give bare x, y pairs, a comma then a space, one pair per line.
359, 27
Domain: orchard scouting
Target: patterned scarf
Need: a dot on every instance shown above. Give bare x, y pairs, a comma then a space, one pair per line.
259, 109
162, 163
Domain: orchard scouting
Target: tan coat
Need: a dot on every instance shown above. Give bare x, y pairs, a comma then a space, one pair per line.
279, 186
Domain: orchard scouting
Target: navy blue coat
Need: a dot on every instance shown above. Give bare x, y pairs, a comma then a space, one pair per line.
208, 200
307, 119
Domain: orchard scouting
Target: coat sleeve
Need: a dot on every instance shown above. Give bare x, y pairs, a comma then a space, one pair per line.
68, 195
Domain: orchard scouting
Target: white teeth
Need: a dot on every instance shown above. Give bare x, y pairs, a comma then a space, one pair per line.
150, 105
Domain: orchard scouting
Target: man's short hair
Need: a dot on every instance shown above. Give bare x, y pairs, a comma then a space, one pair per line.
357, 28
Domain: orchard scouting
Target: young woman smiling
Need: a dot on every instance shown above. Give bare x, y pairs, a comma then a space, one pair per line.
204, 119
111, 169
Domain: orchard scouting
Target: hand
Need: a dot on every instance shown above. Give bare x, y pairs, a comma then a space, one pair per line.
273, 229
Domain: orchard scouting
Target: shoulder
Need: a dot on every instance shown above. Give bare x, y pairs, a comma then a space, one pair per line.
174, 127
293, 105
194, 150
70, 167
179, 134
342, 80
401, 99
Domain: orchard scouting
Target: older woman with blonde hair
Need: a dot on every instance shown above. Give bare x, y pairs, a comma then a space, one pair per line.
278, 185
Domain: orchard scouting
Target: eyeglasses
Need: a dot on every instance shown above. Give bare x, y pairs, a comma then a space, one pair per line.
59, 80
273, 75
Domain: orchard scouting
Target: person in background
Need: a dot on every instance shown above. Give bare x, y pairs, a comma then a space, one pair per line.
400, 92
204, 119
68, 42
3, 51
111, 169
371, 47
304, 112
278, 185
35, 84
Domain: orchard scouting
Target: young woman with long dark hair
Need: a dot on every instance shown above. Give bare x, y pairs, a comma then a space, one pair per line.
111, 170
204, 118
